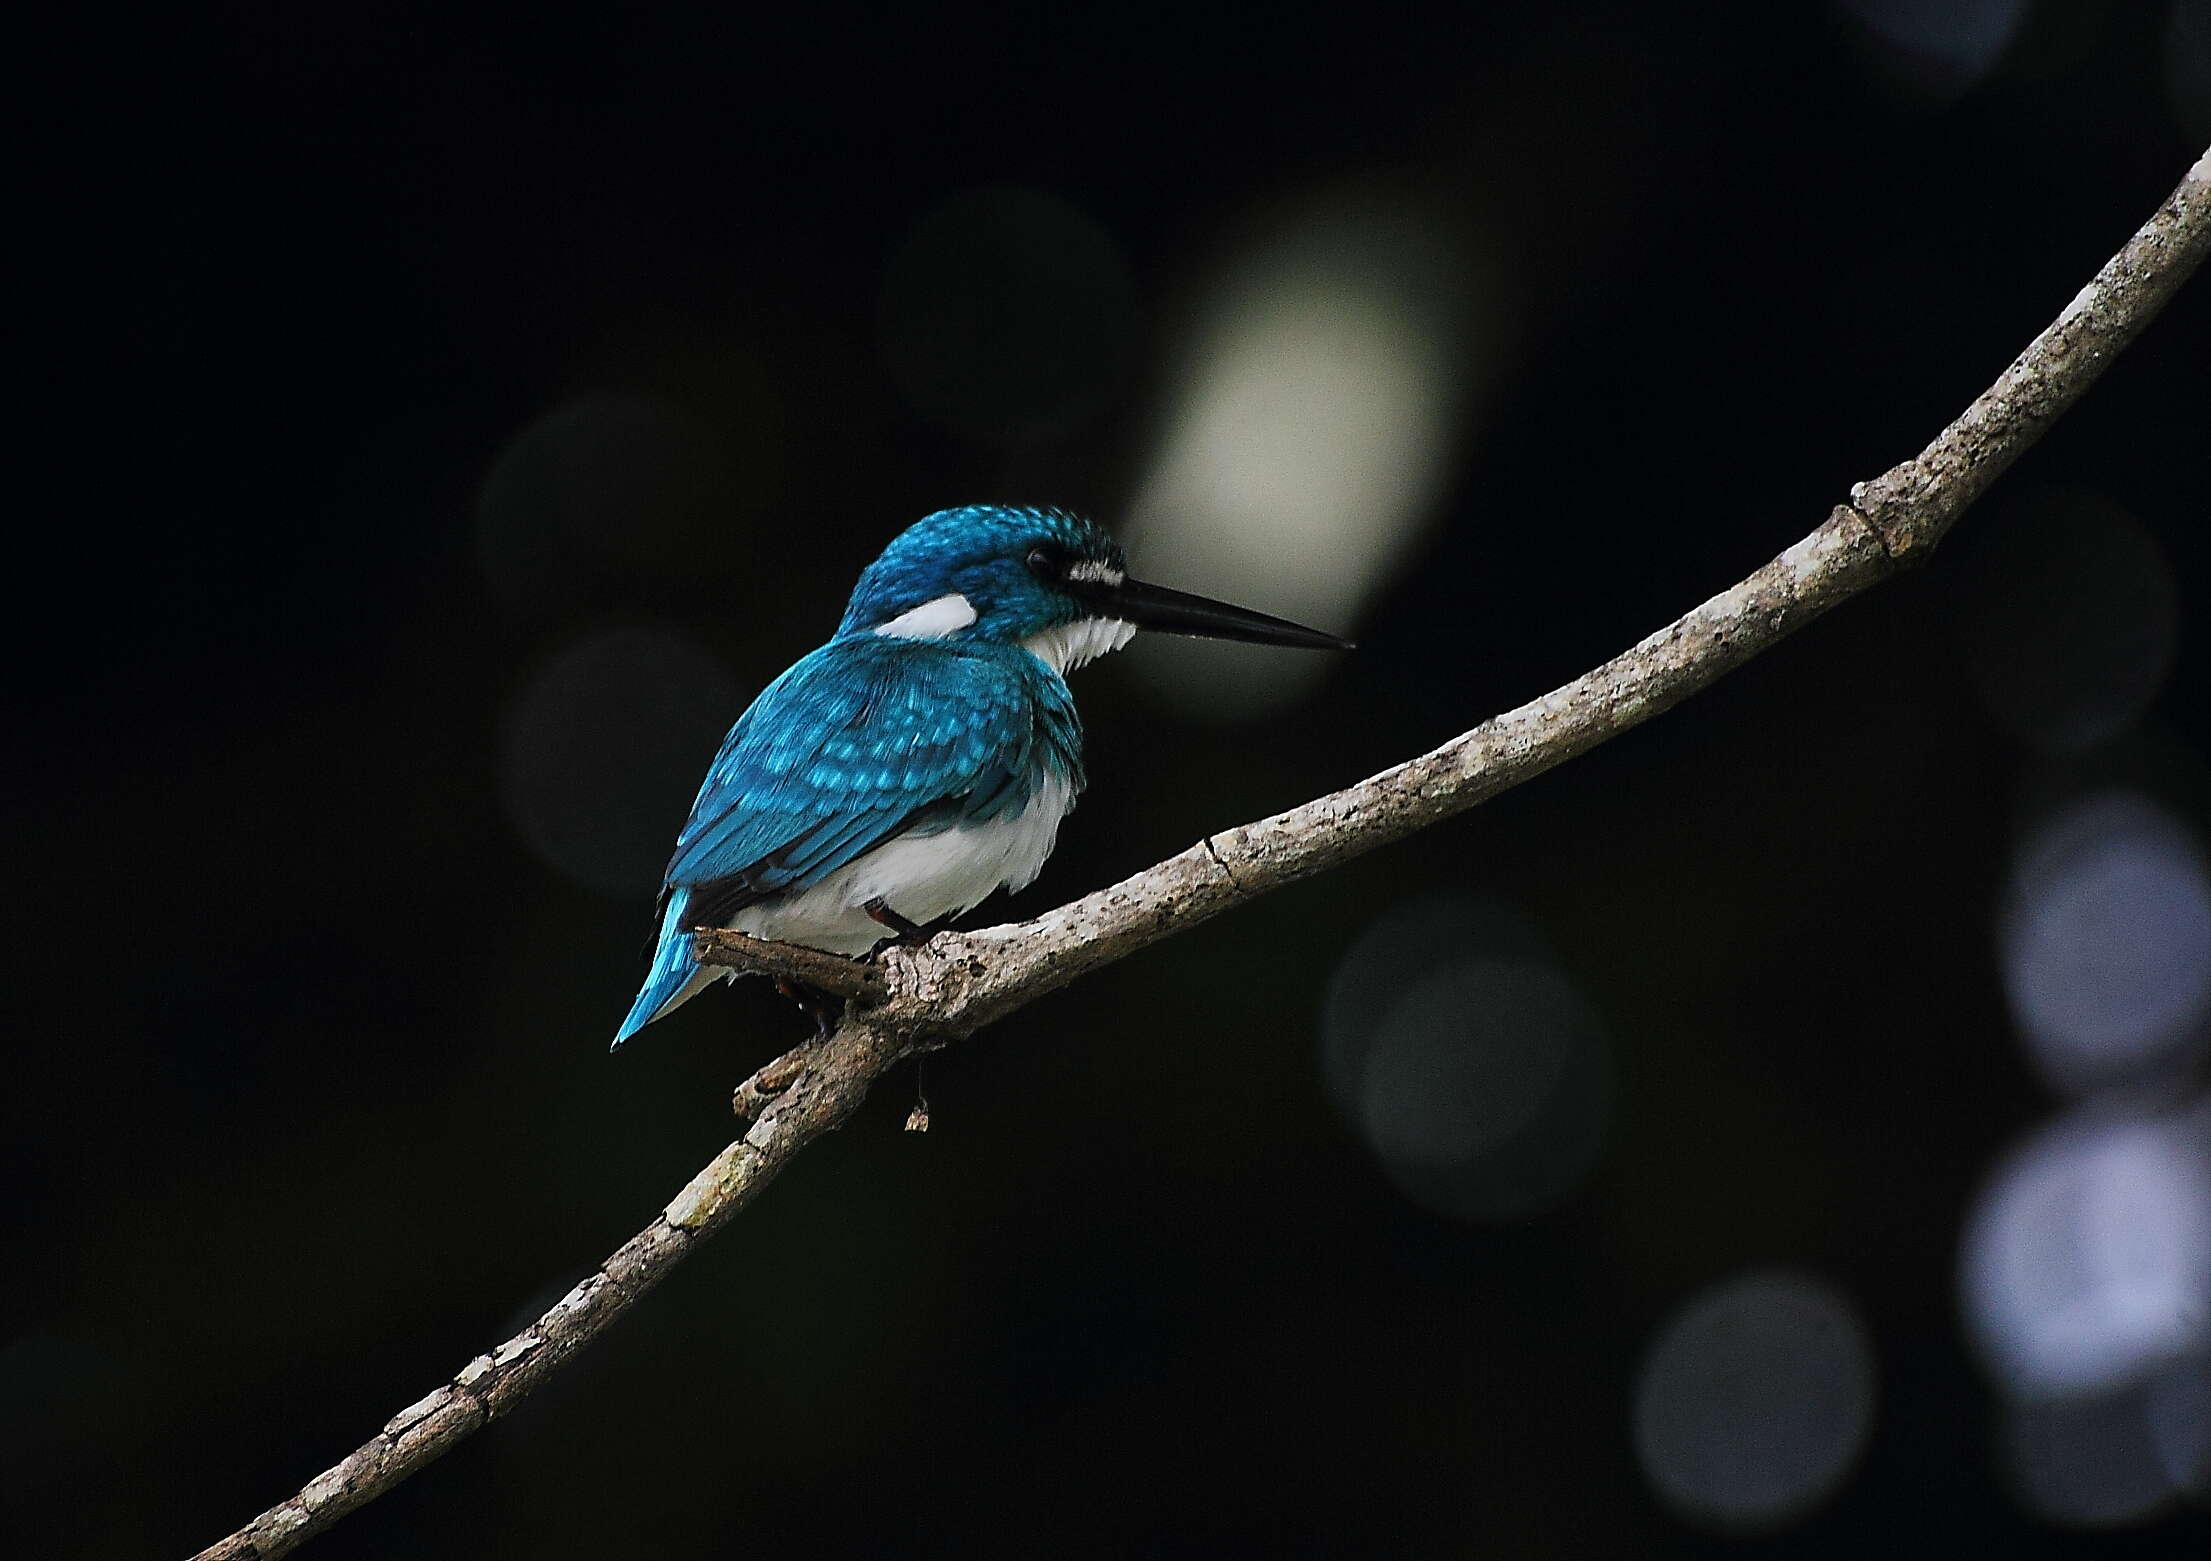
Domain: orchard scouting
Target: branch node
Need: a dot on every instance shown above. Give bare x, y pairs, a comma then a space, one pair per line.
1214, 851
1889, 508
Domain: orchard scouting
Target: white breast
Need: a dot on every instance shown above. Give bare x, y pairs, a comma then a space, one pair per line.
922, 877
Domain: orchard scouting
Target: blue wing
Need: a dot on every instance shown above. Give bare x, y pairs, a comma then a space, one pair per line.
865, 739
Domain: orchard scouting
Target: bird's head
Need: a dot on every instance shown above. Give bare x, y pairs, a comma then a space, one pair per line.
1042, 578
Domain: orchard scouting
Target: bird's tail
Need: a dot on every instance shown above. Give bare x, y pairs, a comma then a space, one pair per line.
676, 977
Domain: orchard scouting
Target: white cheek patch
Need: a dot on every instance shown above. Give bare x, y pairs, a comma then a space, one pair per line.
932, 620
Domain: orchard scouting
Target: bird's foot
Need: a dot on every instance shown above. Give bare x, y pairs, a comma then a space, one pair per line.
821, 1007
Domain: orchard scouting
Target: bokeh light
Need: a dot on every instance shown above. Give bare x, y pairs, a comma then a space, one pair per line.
2088, 1462
1754, 1401
1466, 1060
2071, 621
2105, 938
1008, 313
603, 748
1307, 433
609, 478
1939, 48
2177, 1404
2087, 1260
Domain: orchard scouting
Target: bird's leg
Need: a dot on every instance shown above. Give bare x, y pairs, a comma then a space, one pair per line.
905, 933
816, 1004
879, 910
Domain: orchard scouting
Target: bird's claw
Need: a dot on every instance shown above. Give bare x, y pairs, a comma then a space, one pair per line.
819, 1006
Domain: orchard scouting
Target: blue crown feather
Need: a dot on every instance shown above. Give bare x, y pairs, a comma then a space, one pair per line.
977, 552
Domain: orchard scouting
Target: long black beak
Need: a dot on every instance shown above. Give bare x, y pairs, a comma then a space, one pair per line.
1179, 612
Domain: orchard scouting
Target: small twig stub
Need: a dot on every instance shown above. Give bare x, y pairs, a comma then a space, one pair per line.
854, 980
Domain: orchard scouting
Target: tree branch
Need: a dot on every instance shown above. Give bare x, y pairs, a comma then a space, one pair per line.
856, 981
915, 999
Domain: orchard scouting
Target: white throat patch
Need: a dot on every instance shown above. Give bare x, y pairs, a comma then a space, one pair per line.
932, 620
1071, 644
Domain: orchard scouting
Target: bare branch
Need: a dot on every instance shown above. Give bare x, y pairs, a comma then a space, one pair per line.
919, 998
1914, 504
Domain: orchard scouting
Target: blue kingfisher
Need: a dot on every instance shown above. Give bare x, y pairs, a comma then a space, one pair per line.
923, 758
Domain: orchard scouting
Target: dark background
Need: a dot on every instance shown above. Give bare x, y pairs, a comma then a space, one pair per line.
440, 426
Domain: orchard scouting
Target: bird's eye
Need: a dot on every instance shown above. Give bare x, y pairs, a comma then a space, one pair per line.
1043, 563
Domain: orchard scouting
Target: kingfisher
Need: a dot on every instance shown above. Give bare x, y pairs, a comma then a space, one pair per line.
922, 759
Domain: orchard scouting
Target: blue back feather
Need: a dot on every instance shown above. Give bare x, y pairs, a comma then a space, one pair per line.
861, 736
864, 739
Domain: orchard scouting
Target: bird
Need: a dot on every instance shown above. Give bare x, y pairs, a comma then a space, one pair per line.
925, 756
